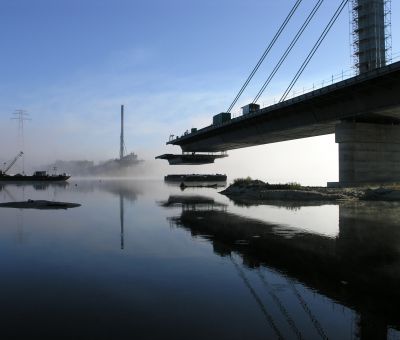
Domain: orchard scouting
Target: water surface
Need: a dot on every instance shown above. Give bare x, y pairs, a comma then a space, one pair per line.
143, 260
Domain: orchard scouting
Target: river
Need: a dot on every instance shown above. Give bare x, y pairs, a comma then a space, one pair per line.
140, 259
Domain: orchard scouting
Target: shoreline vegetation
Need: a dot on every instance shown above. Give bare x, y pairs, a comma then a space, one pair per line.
256, 190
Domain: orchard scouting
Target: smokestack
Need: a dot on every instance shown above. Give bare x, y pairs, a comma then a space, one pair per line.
121, 145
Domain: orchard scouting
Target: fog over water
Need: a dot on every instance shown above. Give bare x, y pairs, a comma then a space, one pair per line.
311, 161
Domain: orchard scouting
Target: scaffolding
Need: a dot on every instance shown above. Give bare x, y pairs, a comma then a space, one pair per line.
371, 34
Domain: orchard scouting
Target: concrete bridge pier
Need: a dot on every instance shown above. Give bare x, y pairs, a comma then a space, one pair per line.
369, 153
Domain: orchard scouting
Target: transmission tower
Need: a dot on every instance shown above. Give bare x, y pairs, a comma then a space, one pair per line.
21, 116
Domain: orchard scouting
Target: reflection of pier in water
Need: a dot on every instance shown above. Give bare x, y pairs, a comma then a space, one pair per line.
360, 268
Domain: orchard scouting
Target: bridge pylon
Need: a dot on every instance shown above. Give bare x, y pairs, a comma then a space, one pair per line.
371, 33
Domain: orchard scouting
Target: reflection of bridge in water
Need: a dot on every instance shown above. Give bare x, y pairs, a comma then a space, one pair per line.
360, 268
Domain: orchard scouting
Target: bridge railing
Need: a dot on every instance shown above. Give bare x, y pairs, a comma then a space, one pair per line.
334, 78
345, 74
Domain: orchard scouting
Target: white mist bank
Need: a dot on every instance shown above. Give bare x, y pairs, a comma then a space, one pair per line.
309, 161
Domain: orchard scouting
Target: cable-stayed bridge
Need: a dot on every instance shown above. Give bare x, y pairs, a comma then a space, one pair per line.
362, 111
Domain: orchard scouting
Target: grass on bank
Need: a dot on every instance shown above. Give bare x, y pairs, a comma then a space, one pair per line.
248, 181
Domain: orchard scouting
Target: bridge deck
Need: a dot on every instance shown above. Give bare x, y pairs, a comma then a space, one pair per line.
370, 97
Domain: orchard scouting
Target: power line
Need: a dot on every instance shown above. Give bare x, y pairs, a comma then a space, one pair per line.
315, 48
289, 49
268, 49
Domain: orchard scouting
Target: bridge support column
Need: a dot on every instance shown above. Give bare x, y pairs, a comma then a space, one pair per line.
368, 153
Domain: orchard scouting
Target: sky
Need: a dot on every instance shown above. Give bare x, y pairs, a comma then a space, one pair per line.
173, 64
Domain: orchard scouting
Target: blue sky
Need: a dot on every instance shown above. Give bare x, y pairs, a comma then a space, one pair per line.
71, 63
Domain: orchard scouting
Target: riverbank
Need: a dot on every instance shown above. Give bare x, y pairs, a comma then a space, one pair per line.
257, 190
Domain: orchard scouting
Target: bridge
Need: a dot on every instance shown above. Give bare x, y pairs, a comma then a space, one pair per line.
363, 111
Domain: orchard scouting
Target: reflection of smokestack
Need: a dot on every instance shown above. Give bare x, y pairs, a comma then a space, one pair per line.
121, 146
121, 217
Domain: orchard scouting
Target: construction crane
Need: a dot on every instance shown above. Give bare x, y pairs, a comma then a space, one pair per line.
13, 162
